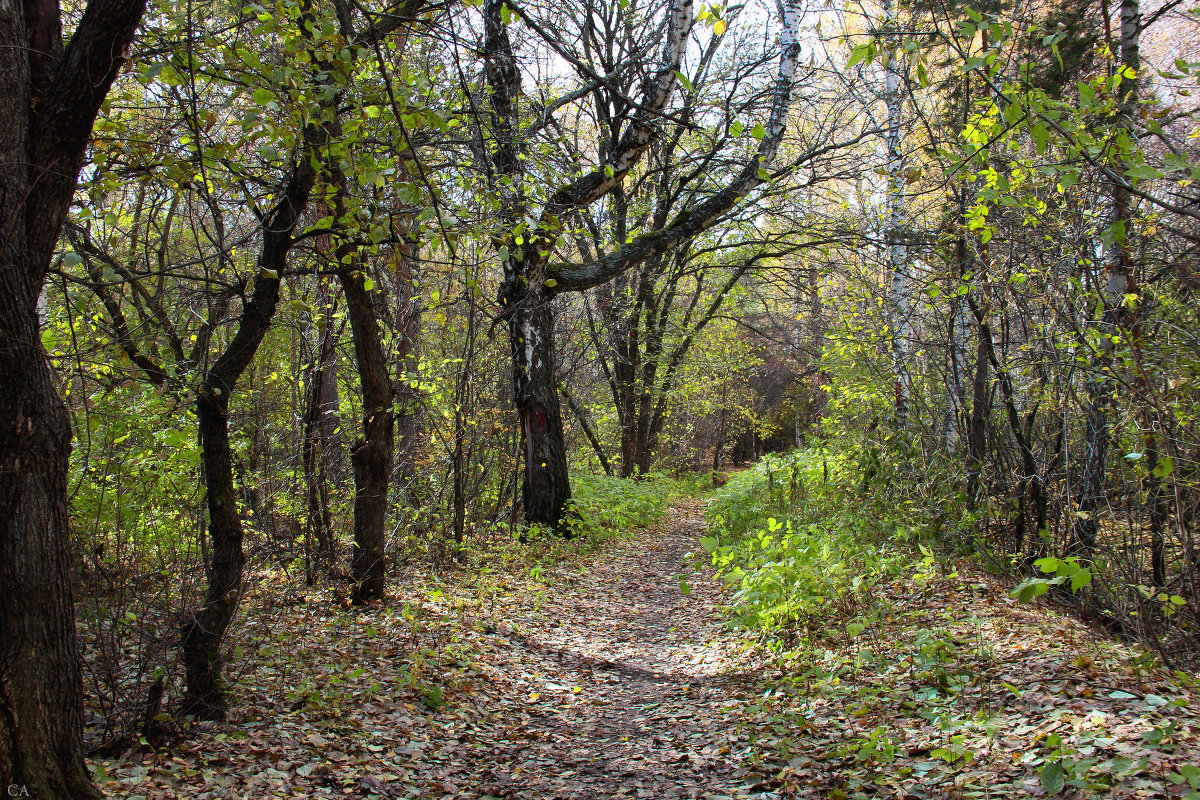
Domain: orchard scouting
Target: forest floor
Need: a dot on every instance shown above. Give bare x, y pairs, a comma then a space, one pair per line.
597, 677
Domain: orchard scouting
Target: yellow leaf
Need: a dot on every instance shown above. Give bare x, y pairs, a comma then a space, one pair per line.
719, 27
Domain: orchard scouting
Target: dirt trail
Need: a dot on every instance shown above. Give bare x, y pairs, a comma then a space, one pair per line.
599, 678
653, 669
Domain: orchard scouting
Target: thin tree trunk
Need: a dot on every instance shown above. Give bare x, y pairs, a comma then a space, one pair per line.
592, 438
320, 422
898, 265
407, 334
1156, 505
977, 431
1119, 284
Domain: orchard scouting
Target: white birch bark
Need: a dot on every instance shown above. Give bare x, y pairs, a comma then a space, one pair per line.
897, 255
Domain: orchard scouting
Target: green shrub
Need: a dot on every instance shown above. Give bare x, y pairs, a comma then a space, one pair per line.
794, 545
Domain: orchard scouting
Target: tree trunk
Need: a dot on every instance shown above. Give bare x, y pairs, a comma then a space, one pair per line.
1118, 274
547, 488
320, 424
371, 455
593, 439
898, 265
524, 295
408, 357
203, 634
977, 431
49, 97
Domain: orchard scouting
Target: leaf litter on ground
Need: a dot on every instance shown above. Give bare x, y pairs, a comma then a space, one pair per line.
597, 677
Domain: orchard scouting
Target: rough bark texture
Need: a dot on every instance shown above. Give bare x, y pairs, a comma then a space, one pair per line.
49, 97
371, 455
547, 488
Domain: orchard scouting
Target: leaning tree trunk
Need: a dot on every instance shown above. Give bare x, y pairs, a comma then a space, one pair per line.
49, 97
203, 634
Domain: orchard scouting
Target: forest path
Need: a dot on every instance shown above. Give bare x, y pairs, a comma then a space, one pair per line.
590, 676
641, 681
593, 676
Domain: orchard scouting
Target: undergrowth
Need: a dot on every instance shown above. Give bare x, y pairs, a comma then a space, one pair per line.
608, 504
797, 543
602, 508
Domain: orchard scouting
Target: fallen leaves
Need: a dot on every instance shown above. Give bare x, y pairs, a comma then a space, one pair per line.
598, 678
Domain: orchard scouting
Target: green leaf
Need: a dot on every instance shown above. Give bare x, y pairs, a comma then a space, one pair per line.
1029, 589
709, 543
1053, 778
1164, 467
759, 132
434, 697
863, 52
1047, 564
1143, 172
1081, 579
263, 96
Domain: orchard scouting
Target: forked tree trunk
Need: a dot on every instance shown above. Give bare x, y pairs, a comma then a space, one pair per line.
203, 634
49, 97
525, 294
